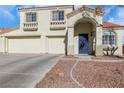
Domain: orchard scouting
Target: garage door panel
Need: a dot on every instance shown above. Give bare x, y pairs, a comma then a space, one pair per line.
24, 45
56, 45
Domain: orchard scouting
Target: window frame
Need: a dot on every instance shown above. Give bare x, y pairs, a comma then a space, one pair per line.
57, 15
31, 17
109, 38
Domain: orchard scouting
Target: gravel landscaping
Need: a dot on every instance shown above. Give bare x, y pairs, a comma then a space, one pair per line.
89, 74
58, 77
100, 74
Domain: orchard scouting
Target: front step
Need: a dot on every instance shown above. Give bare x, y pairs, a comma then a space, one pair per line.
84, 56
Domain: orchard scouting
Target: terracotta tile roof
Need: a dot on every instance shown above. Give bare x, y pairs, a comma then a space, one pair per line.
96, 11
110, 25
5, 30
78, 10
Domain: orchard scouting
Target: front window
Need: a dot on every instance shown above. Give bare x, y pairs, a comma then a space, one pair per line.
57, 15
31, 17
109, 38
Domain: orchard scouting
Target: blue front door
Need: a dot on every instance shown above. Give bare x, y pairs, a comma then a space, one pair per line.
83, 44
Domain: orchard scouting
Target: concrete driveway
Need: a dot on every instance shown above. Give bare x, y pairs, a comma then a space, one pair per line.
24, 70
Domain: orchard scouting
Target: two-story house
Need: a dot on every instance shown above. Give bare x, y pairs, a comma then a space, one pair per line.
62, 30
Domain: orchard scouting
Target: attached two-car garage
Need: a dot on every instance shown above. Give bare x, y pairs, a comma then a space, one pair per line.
33, 44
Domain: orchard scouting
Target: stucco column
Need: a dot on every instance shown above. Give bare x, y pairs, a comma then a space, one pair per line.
99, 47
43, 44
5, 45
70, 41
119, 43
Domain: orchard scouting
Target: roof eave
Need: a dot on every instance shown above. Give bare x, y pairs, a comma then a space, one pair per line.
45, 7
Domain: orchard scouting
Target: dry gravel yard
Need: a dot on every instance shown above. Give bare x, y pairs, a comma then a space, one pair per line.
89, 74
58, 77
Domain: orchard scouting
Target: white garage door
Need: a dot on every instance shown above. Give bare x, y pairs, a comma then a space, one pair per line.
24, 45
56, 45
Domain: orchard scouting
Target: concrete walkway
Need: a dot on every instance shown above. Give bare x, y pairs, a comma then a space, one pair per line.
93, 60
24, 70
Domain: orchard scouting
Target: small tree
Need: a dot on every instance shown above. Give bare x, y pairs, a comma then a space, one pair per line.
110, 50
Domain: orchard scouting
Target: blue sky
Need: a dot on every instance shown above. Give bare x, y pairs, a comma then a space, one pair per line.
9, 15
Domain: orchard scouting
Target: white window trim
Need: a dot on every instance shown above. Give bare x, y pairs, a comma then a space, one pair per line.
108, 42
32, 21
51, 16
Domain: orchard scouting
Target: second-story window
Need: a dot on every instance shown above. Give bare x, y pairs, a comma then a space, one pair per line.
31, 17
57, 15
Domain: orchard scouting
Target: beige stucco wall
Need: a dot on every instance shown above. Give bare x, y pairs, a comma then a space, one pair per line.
43, 32
119, 42
74, 19
44, 19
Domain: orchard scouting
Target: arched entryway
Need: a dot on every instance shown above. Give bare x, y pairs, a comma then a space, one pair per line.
83, 26
84, 37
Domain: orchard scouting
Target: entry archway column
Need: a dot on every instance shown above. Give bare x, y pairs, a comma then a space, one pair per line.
70, 41
99, 47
